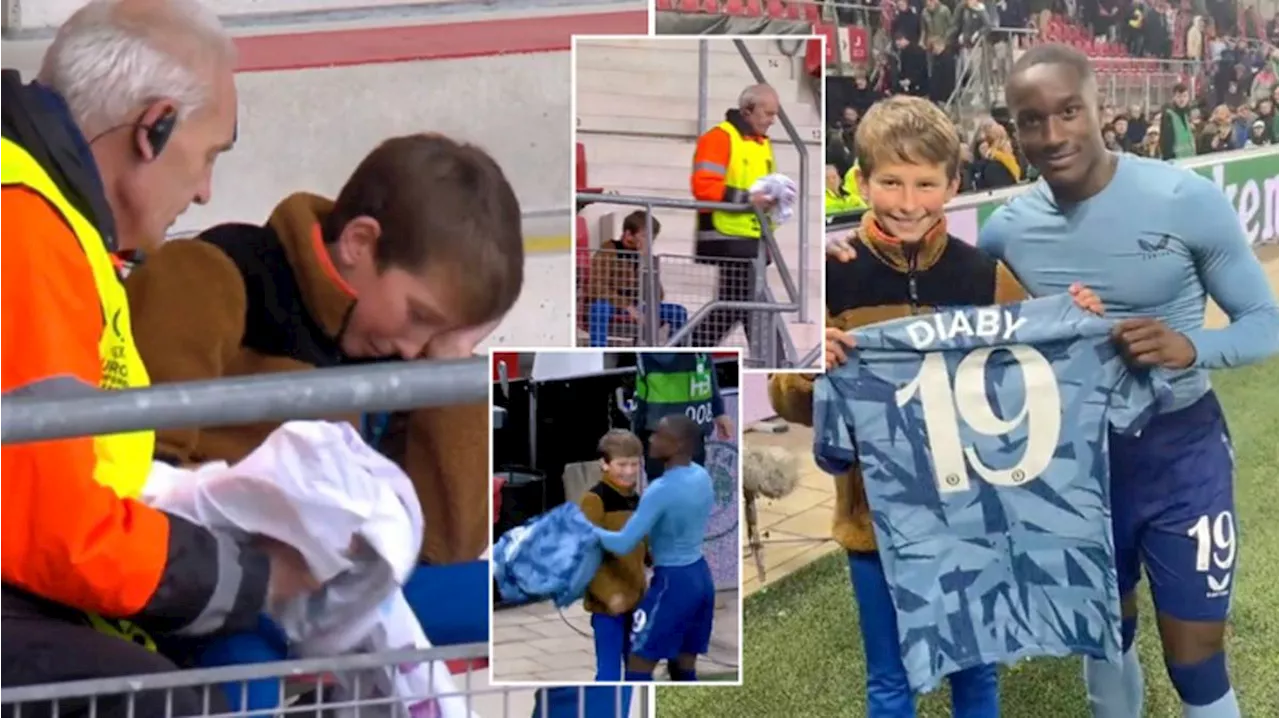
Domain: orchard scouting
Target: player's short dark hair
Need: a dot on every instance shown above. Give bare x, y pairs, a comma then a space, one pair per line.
1180, 88
686, 430
1054, 53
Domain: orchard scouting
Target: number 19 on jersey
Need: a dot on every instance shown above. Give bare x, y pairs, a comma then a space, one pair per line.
945, 402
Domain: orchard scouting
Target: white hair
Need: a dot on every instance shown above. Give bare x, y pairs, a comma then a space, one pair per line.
112, 57
753, 95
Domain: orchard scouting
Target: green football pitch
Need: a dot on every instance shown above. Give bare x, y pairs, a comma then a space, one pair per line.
803, 656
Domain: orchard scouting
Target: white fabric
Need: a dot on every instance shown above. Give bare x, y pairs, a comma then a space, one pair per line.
780, 189
355, 517
552, 365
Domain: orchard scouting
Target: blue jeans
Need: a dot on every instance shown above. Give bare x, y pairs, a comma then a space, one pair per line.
451, 602
612, 636
602, 312
974, 692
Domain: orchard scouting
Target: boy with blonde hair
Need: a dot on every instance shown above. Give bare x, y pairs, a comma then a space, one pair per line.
618, 585
900, 261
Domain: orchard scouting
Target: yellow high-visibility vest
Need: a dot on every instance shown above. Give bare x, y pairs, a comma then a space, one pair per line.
748, 161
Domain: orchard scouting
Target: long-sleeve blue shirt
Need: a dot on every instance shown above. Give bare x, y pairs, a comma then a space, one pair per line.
1155, 242
673, 513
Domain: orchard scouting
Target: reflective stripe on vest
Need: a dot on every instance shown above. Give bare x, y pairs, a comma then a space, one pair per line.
748, 161
123, 460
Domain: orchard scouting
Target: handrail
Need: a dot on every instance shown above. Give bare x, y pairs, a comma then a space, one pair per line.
313, 394
802, 212
769, 246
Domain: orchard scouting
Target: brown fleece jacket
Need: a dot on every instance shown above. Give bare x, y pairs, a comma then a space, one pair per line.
874, 287
244, 299
615, 275
609, 506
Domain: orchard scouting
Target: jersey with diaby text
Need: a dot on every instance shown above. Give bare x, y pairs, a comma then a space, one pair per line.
981, 434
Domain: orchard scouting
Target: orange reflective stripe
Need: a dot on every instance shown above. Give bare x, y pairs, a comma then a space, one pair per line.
706, 183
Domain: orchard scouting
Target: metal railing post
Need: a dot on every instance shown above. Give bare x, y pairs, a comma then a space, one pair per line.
651, 292
802, 212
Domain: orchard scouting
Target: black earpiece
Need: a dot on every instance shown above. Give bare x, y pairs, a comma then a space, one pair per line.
159, 132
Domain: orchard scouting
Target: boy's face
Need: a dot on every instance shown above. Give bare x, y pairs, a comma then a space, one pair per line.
634, 240
624, 470
908, 199
398, 312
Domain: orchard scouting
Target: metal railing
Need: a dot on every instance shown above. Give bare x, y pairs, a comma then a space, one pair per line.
1126, 81
762, 346
157, 695
317, 393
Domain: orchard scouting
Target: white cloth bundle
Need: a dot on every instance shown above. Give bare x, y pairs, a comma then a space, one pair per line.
780, 189
355, 517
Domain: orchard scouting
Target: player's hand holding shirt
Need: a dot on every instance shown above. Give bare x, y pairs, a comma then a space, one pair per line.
982, 438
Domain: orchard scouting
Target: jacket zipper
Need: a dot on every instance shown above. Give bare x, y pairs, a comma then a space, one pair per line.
913, 293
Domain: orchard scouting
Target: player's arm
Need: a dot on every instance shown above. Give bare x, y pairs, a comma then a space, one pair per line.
653, 502
187, 304
710, 163
605, 584
1232, 276
67, 538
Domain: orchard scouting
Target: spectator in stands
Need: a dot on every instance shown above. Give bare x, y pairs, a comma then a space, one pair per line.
1195, 39
1241, 125
936, 21
615, 290
942, 71
1264, 82
729, 158
1137, 125
1150, 145
1110, 140
864, 95
133, 105
999, 163
972, 25
1216, 135
1177, 138
911, 76
419, 256
1258, 135
906, 23
1267, 114
1233, 94
1121, 127
837, 199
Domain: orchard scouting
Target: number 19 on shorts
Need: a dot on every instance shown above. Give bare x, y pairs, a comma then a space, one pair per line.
944, 405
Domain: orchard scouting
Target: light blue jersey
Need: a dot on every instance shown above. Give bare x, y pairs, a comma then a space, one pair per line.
1154, 242
982, 439
673, 513
552, 556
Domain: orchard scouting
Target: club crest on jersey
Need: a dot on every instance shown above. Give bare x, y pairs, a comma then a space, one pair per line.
988, 323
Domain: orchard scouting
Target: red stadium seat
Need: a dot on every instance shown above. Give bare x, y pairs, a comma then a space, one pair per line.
811, 13
734, 7
688, 5
580, 166
775, 9
753, 8
664, 5
710, 7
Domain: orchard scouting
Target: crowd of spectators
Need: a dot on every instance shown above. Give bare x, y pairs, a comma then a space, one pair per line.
1225, 99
